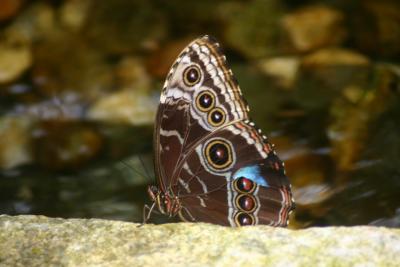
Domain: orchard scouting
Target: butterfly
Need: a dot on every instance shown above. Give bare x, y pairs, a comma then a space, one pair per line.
211, 162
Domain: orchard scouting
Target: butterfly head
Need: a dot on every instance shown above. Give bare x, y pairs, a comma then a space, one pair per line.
166, 203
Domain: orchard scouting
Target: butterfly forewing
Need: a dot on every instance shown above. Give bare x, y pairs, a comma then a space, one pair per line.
190, 109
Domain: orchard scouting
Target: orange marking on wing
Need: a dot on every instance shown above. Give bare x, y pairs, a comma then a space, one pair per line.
267, 148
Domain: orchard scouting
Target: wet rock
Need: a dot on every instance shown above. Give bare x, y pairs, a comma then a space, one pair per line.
42, 241
316, 88
15, 59
356, 110
253, 29
74, 13
162, 59
393, 222
127, 106
283, 69
15, 144
132, 25
63, 145
314, 27
59, 68
131, 73
376, 28
65, 106
35, 23
335, 56
9, 8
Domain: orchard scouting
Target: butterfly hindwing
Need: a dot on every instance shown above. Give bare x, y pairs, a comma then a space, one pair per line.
234, 176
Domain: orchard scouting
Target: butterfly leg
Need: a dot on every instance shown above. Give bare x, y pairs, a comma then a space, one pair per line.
183, 218
147, 211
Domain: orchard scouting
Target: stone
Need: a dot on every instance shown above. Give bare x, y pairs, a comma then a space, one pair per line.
376, 28
315, 85
314, 27
131, 73
36, 22
74, 13
335, 56
57, 150
128, 106
357, 111
15, 59
42, 241
9, 8
15, 144
161, 60
83, 69
253, 30
283, 69
130, 27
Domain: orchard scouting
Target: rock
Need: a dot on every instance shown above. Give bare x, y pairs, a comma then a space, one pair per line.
131, 26
357, 111
131, 73
42, 241
283, 69
314, 27
83, 68
15, 145
127, 106
316, 88
376, 28
162, 59
253, 30
61, 145
15, 59
9, 8
35, 23
335, 56
74, 13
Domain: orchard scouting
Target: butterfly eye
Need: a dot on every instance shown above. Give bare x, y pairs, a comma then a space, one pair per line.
244, 185
191, 75
205, 101
216, 117
243, 219
246, 202
219, 154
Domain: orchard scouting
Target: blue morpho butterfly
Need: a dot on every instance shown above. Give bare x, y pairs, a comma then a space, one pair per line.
212, 163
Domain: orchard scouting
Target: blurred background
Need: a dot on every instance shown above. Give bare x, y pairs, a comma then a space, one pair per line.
80, 82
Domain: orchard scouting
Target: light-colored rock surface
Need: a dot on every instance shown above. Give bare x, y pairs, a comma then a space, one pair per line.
42, 241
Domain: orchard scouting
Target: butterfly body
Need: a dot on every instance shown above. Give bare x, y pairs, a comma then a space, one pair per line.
212, 163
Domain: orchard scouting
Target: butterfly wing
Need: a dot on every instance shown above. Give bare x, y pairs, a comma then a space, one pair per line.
199, 96
233, 177
207, 153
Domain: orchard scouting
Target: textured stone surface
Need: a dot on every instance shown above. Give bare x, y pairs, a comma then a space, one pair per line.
42, 241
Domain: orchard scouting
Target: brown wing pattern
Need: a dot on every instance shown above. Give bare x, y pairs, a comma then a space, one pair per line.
207, 153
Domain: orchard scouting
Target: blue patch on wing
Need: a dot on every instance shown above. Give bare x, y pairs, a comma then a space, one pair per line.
252, 173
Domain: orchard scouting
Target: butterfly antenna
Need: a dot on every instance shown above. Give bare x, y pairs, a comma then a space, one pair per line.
145, 169
133, 169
